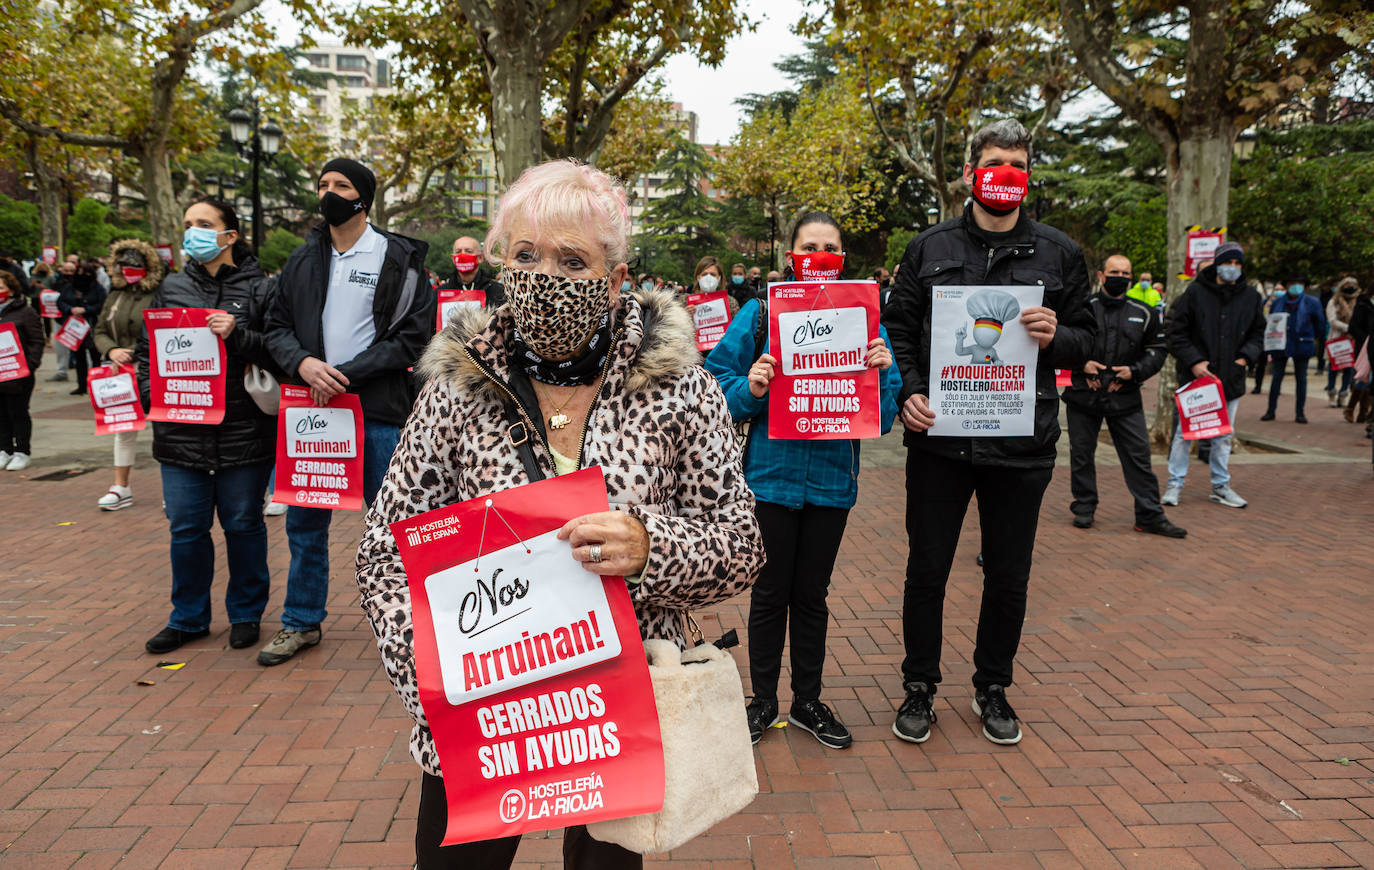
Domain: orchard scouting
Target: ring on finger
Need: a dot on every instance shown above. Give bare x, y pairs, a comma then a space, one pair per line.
594, 553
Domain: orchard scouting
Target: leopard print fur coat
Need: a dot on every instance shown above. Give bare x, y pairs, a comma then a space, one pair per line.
661, 431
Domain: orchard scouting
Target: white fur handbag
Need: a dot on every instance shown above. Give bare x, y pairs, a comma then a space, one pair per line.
262, 388
708, 760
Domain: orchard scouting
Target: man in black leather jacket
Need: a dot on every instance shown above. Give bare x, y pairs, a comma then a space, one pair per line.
1129, 350
993, 242
352, 313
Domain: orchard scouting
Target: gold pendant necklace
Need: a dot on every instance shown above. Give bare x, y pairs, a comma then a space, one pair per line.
559, 420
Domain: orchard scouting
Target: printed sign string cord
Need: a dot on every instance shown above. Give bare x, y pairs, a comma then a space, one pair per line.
482, 538
816, 301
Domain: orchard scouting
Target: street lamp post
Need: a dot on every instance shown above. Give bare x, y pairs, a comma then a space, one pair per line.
256, 145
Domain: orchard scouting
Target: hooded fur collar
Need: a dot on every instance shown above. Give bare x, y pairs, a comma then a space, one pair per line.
157, 269
666, 350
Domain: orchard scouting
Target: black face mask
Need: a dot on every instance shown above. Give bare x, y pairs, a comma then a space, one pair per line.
339, 211
1115, 285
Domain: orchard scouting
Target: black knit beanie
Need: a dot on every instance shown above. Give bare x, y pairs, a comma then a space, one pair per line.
361, 177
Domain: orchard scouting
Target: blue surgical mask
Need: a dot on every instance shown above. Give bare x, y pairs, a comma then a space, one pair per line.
737, 280
201, 244
647, 285
626, 286
1295, 290
1229, 272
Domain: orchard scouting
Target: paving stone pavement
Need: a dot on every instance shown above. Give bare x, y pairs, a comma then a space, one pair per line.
1198, 703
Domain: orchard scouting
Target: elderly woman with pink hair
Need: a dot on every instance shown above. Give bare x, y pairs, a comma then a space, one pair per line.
600, 374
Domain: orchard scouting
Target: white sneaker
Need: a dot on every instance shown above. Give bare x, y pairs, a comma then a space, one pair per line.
5, 458
274, 509
18, 462
1225, 495
1170, 496
117, 499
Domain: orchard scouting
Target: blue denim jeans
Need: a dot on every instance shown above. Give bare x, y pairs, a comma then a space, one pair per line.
307, 533
1220, 459
193, 499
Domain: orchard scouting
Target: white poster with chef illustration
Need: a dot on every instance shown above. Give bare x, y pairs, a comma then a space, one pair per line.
982, 361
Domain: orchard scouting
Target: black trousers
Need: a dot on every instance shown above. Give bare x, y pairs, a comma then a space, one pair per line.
1299, 376
938, 493
1259, 370
1132, 442
801, 546
84, 358
16, 426
580, 850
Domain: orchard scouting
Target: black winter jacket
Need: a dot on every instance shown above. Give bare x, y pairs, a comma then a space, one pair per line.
955, 253
496, 294
1129, 333
246, 436
30, 329
1219, 323
80, 291
402, 312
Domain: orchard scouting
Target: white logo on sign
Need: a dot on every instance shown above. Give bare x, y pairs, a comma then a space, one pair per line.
320, 433
823, 341
114, 390
186, 350
520, 618
8, 345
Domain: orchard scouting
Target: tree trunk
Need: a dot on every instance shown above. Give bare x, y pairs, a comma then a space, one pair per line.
1199, 187
49, 197
515, 115
163, 216
379, 217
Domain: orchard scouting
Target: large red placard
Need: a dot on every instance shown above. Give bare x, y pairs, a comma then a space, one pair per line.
114, 396
319, 451
823, 388
457, 300
1202, 409
711, 316
531, 670
186, 366
13, 364
72, 332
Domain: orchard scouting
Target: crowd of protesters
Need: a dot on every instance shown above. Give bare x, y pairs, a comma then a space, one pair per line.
354, 310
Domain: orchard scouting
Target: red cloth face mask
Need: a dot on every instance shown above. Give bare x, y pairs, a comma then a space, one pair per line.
1000, 189
465, 262
816, 266
132, 275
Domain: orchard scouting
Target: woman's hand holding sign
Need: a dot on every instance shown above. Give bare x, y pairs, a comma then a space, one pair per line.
879, 357
619, 541
1040, 323
221, 323
761, 373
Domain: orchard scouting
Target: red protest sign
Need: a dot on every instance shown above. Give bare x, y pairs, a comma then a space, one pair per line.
457, 300
1202, 409
531, 670
823, 388
185, 366
319, 451
711, 314
1341, 353
50, 254
13, 364
1200, 248
72, 332
1063, 377
165, 252
114, 396
47, 304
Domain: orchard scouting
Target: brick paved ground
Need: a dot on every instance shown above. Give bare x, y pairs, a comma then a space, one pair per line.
1203, 703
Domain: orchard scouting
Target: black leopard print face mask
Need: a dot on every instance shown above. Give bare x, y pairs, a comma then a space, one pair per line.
555, 315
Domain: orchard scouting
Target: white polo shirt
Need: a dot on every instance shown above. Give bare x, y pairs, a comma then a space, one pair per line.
347, 318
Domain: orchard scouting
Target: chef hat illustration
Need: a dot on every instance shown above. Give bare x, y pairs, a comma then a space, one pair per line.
992, 308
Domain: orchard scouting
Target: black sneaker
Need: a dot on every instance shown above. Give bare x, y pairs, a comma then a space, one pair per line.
999, 719
243, 634
170, 638
1162, 527
824, 725
1268, 415
1082, 521
916, 714
1300, 419
762, 714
